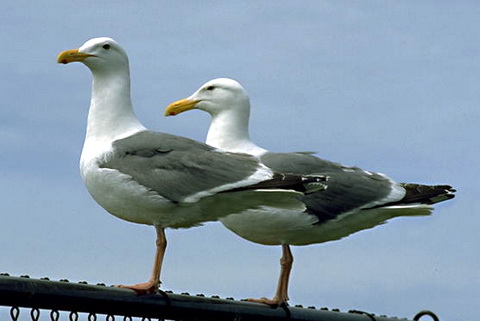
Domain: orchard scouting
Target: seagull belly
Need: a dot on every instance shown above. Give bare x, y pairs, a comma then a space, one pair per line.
273, 226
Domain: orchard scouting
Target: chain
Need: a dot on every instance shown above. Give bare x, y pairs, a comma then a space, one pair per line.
54, 315
73, 316
35, 314
14, 313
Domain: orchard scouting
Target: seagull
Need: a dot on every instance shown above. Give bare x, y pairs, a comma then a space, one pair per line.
354, 200
164, 180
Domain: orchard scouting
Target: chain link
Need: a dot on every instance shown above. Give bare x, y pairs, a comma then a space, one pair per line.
54, 315
14, 313
425, 312
35, 314
73, 316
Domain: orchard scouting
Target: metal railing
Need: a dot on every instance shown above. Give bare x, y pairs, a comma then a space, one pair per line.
75, 301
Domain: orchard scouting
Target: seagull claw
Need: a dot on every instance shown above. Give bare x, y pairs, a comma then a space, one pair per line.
275, 302
149, 287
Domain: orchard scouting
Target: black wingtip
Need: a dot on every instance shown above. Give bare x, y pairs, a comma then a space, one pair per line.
427, 194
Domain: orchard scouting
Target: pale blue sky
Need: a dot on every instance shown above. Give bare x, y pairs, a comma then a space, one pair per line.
390, 86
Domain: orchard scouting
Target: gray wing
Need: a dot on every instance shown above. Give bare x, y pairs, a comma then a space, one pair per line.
177, 167
349, 188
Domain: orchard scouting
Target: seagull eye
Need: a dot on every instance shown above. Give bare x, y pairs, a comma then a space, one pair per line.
106, 46
210, 87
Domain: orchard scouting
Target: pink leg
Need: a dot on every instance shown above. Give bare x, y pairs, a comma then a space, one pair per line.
281, 296
151, 286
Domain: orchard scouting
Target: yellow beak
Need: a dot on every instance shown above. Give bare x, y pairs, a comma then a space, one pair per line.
68, 56
180, 106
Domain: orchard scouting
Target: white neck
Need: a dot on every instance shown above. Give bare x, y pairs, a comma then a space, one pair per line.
111, 116
229, 131
111, 113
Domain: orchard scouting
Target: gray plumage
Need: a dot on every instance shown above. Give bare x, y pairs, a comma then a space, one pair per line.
177, 167
167, 164
350, 188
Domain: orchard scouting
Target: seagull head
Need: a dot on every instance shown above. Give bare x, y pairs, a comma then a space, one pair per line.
215, 97
97, 54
